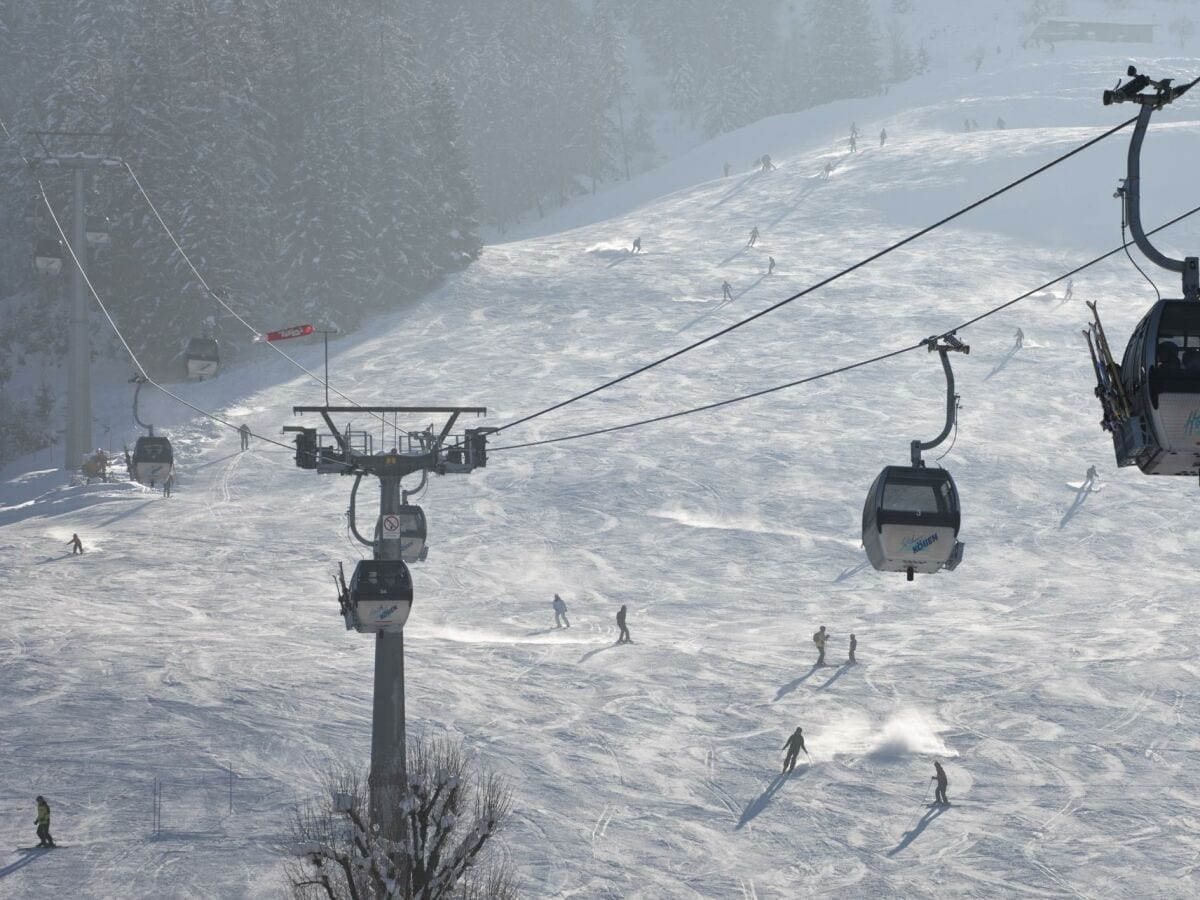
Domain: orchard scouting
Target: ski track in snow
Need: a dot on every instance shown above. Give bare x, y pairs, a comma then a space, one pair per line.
1052, 672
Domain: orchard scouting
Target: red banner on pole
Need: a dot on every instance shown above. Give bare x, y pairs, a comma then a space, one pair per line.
285, 333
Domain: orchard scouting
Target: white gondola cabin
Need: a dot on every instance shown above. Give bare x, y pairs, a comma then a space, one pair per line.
911, 521
203, 358
380, 596
153, 460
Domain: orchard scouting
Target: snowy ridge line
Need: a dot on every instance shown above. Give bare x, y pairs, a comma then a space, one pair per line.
834, 277
208, 290
846, 368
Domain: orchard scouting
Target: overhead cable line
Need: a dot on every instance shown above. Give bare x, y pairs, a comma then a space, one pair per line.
820, 284
840, 369
221, 300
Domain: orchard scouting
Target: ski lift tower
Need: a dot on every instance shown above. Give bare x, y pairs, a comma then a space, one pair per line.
52, 157
380, 594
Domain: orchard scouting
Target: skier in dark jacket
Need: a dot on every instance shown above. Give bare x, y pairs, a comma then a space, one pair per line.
819, 638
942, 783
753, 237
882, 136
853, 647
75, 544
637, 245
726, 291
794, 745
624, 637
43, 823
770, 264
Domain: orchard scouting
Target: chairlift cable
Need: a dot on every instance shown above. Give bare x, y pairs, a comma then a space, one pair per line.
840, 369
830, 279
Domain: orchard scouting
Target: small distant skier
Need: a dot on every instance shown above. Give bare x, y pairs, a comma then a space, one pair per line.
75, 544
560, 613
882, 136
853, 142
770, 264
1020, 339
827, 170
1070, 290
942, 783
726, 291
854, 129
753, 236
244, 431
726, 170
1000, 122
767, 165
637, 244
853, 647
43, 823
794, 745
1091, 477
624, 637
819, 638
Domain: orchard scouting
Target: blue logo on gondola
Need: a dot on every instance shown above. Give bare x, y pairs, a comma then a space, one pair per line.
917, 544
386, 613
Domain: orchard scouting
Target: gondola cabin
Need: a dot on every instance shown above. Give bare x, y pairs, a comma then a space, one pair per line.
203, 358
412, 533
152, 460
1160, 375
96, 231
48, 256
381, 595
911, 521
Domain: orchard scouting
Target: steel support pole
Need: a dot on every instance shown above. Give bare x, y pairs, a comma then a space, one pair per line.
388, 762
78, 437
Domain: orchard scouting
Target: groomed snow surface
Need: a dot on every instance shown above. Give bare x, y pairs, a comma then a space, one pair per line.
1053, 673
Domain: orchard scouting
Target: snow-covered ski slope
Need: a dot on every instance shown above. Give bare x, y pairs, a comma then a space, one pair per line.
1054, 672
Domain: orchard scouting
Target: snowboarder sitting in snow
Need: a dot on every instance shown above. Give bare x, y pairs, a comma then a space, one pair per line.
942, 783
560, 613
794, 745
624, 637
819, 638
75, 544
43, 823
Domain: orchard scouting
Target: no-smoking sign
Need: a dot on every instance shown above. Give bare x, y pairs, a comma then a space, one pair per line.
391, 528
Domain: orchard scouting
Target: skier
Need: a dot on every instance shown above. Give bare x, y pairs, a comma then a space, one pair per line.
726, 291
726, 170
753, 236
942, 783
1020, 339
853, 647
1000, 122
828, 170
624, 637
794, 745
853, 142
882, 136
244, 431
637, 244
819, 638
75, 544
1091, 474
854, 129
560, 613
767, 165
1069, 291
43, 823
770, 264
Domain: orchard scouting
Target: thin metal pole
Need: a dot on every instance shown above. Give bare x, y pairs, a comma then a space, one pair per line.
326, 333
79, 350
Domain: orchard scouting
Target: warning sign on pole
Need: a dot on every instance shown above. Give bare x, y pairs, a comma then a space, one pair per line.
391, 528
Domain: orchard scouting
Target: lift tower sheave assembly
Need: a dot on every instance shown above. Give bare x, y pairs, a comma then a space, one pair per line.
380, 594
52, 157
